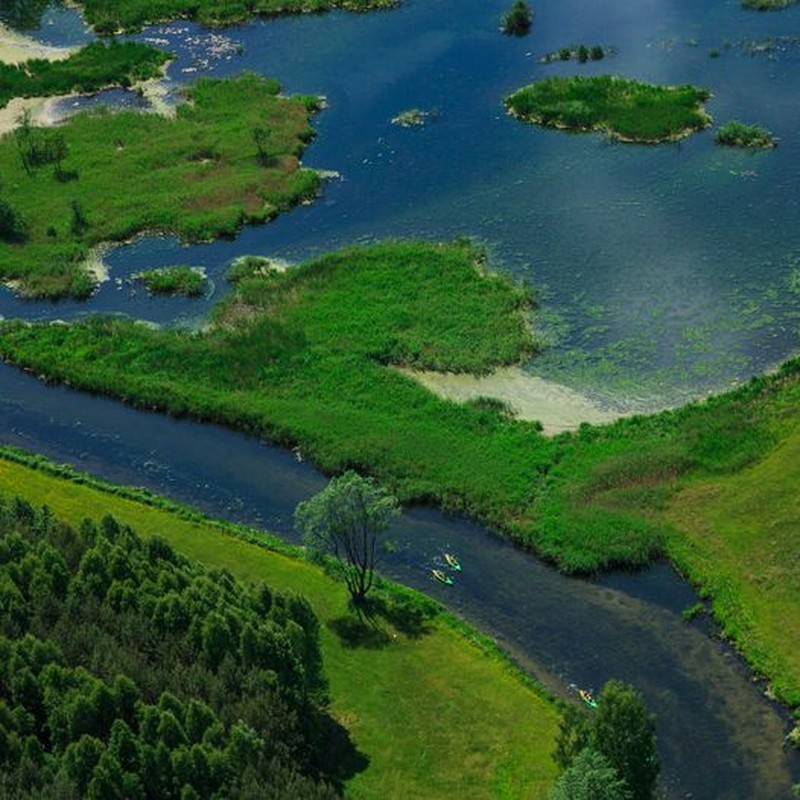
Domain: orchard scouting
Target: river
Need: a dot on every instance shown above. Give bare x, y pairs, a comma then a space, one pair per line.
665, 272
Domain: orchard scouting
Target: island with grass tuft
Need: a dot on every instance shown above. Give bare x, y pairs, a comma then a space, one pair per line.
93, 67
180, 279
628, 110
738, 134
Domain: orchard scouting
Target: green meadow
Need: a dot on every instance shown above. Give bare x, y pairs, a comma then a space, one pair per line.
624, 109
230, 156
431, 714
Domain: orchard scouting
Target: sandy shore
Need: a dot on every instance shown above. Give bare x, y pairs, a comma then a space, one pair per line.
14, 47
557, 407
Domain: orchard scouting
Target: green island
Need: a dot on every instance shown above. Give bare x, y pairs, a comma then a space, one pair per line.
93, 67
738, 134
229, 156
398, 694
180, 279
627, 110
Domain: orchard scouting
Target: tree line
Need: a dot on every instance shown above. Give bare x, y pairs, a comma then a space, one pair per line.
127, 671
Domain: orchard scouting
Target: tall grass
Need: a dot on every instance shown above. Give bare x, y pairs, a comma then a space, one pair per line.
198, 175
625, 109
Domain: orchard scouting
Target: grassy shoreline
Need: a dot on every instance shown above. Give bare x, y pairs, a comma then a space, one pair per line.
497, 745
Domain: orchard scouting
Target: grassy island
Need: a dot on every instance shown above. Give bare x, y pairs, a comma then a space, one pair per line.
737, 134
624, 109
229, 157
181, 279
93, 67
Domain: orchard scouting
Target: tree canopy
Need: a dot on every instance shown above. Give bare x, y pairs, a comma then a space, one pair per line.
127, 671
348, 520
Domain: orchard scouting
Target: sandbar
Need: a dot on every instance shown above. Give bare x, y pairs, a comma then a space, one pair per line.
15, 47
556, 406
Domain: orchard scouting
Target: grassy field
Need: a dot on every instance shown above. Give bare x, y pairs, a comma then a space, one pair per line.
433, 715
624, 109
741, 546
200, 175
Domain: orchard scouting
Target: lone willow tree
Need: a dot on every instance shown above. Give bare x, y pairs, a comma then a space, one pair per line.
348, 520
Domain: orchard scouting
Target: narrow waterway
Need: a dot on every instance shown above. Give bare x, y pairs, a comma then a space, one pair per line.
719, 737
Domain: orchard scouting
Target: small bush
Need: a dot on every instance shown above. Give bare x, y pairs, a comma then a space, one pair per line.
518, 20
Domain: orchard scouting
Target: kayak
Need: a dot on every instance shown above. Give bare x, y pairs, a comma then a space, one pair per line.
452, 562
587, 698
441, 577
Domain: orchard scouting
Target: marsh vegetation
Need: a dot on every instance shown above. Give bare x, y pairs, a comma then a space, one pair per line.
199, 175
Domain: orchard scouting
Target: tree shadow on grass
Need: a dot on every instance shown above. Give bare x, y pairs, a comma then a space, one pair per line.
365, 625
360, 631
337, 759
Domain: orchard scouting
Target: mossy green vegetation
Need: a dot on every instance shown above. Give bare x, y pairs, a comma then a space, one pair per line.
180, 279
402, 702
199, 175
625, 109
91, 68
112, 16
737, 134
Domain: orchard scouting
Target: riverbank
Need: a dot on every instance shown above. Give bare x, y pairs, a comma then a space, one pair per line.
528, 397
413, 726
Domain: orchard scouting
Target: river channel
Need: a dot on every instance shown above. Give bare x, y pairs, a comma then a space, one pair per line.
665, 272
